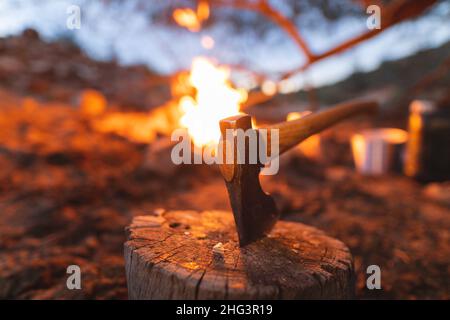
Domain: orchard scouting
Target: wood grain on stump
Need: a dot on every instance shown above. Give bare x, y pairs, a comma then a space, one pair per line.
172, 256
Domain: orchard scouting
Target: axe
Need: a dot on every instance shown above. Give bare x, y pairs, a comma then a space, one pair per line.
255, 212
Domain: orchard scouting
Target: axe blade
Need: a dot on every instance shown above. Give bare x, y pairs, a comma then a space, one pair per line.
255, 212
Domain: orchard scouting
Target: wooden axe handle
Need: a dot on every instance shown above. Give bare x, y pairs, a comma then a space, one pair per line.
293, 132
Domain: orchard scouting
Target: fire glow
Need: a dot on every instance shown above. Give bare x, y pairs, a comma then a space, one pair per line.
214, 100
190, 19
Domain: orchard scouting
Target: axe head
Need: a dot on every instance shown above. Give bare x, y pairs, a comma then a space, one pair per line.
254, 211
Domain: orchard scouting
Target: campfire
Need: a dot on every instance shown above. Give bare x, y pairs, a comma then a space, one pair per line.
87, 151
201, 98
214, 99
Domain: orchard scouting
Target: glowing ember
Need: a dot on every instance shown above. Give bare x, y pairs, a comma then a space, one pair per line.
203, 10
187, 18
190, 19
214, 100
92, 103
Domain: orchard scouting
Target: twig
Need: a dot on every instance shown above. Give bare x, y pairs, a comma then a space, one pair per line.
392, 14
265, 9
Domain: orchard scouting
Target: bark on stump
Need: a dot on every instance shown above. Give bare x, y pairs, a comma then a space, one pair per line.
172, 256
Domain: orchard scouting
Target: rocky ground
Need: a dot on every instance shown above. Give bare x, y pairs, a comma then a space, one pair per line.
67, 191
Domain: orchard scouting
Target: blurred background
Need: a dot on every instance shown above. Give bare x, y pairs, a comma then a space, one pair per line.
90, 92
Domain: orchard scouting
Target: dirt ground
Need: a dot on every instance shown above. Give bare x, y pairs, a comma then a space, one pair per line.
67, 192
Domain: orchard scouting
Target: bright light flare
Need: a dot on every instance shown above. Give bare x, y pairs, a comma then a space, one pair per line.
214, 100
269, 88
190, 19
187, 18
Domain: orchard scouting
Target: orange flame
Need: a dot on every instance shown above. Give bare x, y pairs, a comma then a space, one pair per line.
214, 100
187, 18
203, 10
206, 97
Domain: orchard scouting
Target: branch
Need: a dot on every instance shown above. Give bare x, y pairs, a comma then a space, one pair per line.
264, 8
392, 14
287, 26
396, 11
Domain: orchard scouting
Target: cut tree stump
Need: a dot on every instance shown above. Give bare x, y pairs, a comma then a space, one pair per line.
178, 255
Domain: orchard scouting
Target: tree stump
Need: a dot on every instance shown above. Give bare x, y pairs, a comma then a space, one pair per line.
196, 255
